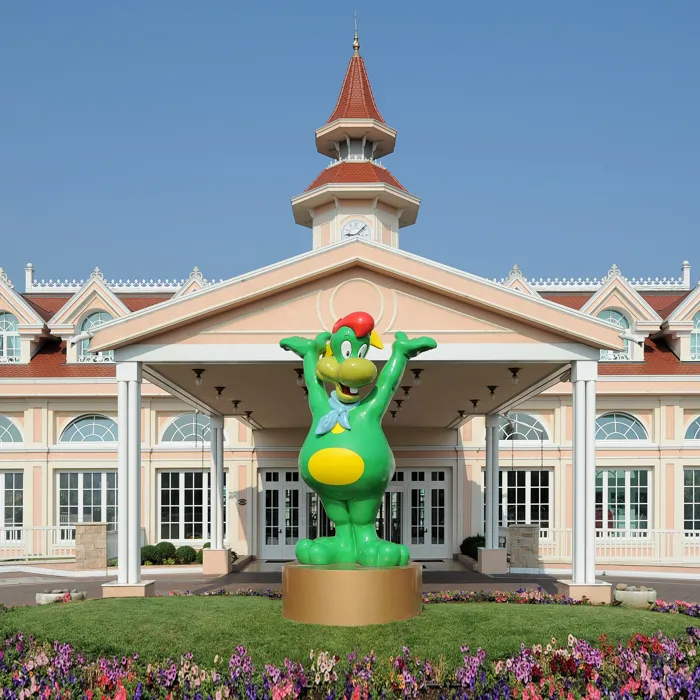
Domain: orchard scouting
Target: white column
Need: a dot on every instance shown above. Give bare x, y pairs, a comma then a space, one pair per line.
590, 474
123, 477
220, 492
213, 481
583, 377
134, 452
491, 535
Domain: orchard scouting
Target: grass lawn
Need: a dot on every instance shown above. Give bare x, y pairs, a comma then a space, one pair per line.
159, 628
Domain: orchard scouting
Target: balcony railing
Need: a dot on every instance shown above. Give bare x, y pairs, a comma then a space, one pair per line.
628, 547
24, 543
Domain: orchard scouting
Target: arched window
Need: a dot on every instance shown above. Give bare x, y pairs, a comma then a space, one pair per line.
693, 431
619, 426
9, 432
695, 338
521, 426
9, 338
621, 321
90, 323
90, 428
189, 427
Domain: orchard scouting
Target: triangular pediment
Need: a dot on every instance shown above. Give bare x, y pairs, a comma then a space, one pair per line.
13, 303
617, 293
194, 283
686, 310
94, 295
518, 282
402, 291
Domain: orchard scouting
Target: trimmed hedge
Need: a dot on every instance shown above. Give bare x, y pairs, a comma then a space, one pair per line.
200, 553
166, 550
150, 555
185, 555
470, 545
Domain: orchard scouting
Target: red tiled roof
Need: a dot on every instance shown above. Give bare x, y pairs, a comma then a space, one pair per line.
50, 361
356, 100
138, 303
664, 304
572, 301
47, 306
348, 171
658, 359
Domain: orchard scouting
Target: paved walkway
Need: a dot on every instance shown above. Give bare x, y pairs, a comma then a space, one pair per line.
21, 588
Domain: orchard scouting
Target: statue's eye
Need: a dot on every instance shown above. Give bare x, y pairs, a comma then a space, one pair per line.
346, 349
362, 351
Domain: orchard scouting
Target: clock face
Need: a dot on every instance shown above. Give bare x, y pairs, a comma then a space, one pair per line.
356, 228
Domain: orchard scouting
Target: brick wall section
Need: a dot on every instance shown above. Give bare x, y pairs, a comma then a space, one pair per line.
91, 546
524, 544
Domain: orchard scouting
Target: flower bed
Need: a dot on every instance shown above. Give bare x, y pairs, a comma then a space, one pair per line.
645, 667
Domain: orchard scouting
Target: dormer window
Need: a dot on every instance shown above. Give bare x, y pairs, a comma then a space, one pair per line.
90, 323
10, 348
695, 338
619, 319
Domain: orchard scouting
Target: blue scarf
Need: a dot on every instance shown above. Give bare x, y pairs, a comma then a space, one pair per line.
338, 414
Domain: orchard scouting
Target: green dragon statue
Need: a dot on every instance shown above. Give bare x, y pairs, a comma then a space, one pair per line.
346, 458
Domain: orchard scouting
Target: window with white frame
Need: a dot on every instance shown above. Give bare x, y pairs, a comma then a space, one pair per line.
693, 430
619, 426
185, 505
521, 426
86, 497
90, 428
90, 323
621, 321
691, 501
12, 492
189, 427
524, 497
622, 502
10, 348
695, 338
9, 432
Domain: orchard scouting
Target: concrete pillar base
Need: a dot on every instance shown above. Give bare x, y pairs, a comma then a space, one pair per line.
142, 589
492, 561
598, 592
216, 562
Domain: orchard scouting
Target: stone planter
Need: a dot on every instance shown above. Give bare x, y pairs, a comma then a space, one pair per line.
633, 597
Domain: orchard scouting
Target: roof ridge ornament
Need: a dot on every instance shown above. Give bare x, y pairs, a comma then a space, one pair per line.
515, 274
356, 42
96, 274
4, 278
614, 271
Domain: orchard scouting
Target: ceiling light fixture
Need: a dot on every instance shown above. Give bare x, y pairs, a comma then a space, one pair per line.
235, 403
393, 416
416, 376
305, 390
198, 376
300, 376
475, 403
219, 391
252, 423
399, 404
461, 417
406, 394
514, 374
492, 391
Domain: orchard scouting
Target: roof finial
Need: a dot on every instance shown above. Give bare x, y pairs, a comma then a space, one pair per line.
356, 42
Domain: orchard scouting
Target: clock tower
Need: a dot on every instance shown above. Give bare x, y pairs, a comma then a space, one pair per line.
355, 196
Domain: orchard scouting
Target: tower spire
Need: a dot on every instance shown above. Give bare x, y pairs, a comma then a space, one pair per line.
356, 42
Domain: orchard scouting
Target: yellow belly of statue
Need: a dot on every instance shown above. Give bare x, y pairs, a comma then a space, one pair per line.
336, 466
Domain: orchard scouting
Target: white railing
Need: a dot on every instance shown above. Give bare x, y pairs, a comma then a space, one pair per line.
112, 545
628, 546
24, 543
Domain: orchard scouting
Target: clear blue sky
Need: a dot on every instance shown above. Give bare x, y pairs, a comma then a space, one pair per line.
148, 137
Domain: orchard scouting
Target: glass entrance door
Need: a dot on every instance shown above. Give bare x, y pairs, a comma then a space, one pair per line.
281, 514
429, 527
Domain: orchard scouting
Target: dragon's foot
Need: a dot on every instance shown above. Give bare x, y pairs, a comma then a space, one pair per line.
326, 550
382, 554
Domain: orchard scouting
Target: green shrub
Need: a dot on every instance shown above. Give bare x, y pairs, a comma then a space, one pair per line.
166, 550
470, 545
185, 555
200, 553
114, 562
150, 555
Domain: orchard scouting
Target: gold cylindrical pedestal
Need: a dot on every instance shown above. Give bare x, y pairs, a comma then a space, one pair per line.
348, 595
